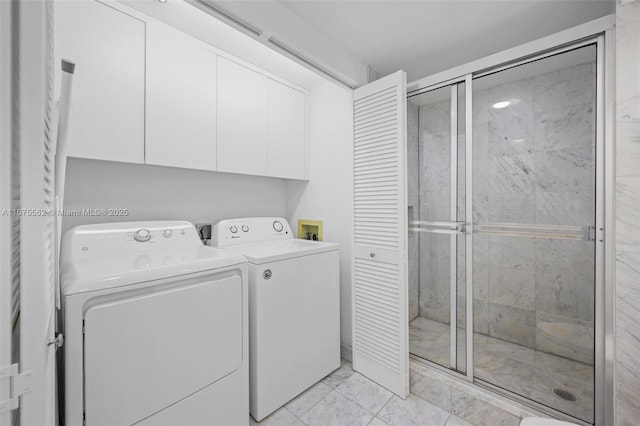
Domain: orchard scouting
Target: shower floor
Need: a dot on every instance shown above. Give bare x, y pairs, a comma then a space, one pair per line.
527, 372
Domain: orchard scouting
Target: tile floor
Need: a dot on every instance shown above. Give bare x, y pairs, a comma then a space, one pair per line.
347, 398
527, 372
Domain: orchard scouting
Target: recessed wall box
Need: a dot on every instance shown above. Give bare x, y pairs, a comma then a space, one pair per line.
310, 229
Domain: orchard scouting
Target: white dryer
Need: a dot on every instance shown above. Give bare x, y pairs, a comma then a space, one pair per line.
155, 326
294, 308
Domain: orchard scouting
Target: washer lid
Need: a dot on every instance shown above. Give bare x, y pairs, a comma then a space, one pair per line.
97, 257
273, 251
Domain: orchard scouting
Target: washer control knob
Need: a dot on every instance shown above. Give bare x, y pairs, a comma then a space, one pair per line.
167, 233
233, 229
142, 235
245, 228
277, 225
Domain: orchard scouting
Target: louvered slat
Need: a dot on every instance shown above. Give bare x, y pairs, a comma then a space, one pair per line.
380, 341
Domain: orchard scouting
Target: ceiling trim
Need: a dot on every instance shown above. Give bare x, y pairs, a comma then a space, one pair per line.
284, 32
299, 58
220, 14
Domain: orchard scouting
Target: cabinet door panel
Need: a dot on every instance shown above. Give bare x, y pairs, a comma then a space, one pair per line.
285, 130
181, 100
242, 119
107, 103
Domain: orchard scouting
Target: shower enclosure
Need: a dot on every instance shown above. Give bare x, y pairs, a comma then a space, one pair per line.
503, 185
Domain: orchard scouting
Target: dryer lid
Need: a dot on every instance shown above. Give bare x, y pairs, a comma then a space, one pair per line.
97, 257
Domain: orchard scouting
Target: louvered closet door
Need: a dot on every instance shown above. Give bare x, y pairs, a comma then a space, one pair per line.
380, 327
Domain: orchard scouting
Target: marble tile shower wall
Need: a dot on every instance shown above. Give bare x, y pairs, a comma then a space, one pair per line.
628, 211
434, 189
533, 163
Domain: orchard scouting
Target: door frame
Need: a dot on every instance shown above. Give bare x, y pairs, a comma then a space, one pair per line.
599, 32
6, 169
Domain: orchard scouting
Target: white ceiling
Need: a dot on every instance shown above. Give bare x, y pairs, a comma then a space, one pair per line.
426, 36
194, 22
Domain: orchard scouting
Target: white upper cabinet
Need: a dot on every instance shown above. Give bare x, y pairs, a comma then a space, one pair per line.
261, 124
107, 102
145, 92
242, 119
181, 100
286, 132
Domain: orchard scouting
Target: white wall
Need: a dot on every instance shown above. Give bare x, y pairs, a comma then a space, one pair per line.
328, 194
155, 192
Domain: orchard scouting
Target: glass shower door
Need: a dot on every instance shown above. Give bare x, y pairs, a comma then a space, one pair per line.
534, 175
436, 226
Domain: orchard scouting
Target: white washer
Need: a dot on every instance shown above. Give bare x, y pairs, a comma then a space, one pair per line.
294, 308
156, 327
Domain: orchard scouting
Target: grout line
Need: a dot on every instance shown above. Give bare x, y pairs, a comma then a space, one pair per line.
359, 405
298, 418
312, 407
383, 405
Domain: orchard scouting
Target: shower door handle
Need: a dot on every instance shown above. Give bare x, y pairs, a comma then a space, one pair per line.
437, 227
584, 233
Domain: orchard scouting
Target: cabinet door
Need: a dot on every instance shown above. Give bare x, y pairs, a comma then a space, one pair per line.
181, 100
286, 132
107, 102
242, 119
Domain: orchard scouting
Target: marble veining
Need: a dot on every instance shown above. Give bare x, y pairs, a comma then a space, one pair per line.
568, 337
303, 402
475, 410
336, 378
571, 127
434, 391
534, 163
412, 411
573, 208
565, 87
516, 367
511, 173
565, 273
457, 421
512, 207
627, 212
514, 286
281, 417
429, 404
364, 392
565, 170
335, 409
512, 324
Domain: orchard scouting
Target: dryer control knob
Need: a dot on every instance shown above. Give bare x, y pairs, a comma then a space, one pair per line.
277, 225
167, 233
245, 228
233, 229
142, 235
